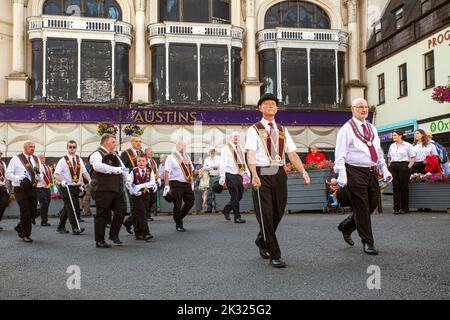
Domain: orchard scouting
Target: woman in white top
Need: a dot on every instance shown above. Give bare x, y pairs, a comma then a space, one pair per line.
423, 148
401, 158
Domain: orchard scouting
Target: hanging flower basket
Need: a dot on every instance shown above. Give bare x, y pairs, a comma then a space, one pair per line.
133, 130
106, 127
441, 94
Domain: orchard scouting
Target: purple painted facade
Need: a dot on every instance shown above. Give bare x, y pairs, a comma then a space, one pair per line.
170, 115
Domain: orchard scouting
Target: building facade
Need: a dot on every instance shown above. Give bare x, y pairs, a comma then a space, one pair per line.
407, 56
170, 65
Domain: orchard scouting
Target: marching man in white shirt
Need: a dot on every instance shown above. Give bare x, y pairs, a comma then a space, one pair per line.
267, 144
25, 171
69, 173
211, 164
179, 181
358, 156
232, 168
154, 192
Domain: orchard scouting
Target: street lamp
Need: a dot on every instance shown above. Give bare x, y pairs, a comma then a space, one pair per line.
120, 101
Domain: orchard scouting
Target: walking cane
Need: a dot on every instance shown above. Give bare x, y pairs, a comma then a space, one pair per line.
261, 215
73, 207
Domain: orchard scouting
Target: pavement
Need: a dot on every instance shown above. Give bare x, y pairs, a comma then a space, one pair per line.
217, 259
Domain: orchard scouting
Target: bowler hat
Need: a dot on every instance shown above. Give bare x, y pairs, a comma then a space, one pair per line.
267, 96
217, 187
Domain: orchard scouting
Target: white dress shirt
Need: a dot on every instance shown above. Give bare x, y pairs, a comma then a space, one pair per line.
96, 161
401, 153
227, 164
16, 169
63, 170
42, 183
174, 169
422, 152
255, 143
350, 150
210, 164
3, 178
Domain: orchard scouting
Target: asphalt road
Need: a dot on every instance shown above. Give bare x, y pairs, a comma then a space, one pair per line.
216, 259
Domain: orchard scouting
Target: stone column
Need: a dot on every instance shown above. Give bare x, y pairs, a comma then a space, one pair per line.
18, 81
251, 82
140, 81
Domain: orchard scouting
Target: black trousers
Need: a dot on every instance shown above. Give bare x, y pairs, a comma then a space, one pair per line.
27, 201
4, 201
106, 203
273, 195
236, 190
182, 193
44, 198
141, 205
131, 219
400, 174
364, 192
67, 211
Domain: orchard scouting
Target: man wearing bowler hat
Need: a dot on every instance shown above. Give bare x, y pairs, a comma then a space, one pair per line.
267, 143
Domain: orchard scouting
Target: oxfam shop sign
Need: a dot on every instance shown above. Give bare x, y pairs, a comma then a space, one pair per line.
436, 127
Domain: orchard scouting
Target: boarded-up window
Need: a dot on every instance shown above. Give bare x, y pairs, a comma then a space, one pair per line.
196, 11
36, 73
323, 76
62, 61
159, 74
294, 73
214, 74
96, 71
183, 73
122, 71
268, 71
236, 74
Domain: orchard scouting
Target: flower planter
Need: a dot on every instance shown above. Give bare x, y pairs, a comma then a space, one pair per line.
303, 197
246, 203
429, 195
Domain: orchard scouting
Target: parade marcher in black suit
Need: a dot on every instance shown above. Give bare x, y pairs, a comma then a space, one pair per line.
232, 168
179, 182
24, 171
154, 192
129, 159
267, 143
141, 185
109, 177
358, 157
43, 192
4, 194
401, 158
69, 173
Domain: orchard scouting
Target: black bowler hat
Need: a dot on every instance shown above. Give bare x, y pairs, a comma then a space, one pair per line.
217, 187
267, 96
343, 197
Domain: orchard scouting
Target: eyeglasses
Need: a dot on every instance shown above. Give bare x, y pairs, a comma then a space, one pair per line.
72, 147
362, 107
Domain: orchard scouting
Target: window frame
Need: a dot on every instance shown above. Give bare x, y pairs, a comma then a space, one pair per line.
210, 13
403, 82
377, 31
425, 2
399, 17
381, 89
429, 69
83, 9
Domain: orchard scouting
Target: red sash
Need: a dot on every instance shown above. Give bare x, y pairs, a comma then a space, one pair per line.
132, 157
186, 169
29, 167
237, 161
2, 169
48, 177
265, 137
154, 167
138, 179
74, 172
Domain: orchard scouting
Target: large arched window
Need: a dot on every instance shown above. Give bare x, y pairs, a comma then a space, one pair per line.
296, 14
203, 11
84, 8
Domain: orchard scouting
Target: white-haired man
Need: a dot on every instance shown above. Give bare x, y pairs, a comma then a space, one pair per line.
232, 168
179, 181
211, 164
358, 156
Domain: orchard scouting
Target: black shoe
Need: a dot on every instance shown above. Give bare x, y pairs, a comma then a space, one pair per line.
347, 236
27, 239
62, 231
116, 240
108, 226
277, 263
139, 238
227, 216
45, 224
19, 231
151, 219
397, 212
181, 229
370, 249
1, 228
81, 220
263, 253
148, 237
103, 245
208, 211
128, 227
239, 221
77, 232
33, 221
